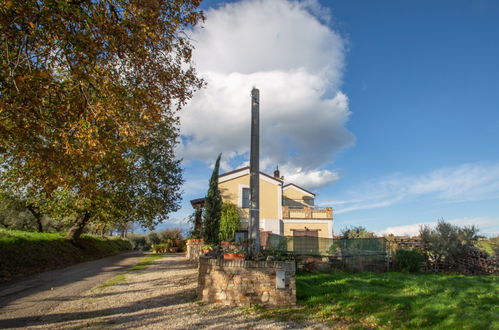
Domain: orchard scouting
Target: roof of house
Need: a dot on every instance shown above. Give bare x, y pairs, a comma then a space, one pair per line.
247, 168
269, 176
297, 186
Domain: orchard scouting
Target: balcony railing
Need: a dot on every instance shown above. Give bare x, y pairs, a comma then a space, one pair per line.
316, 213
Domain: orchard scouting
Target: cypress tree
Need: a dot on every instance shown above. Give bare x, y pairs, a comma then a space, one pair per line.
212, 208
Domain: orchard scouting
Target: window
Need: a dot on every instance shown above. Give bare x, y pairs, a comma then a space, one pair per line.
246, 198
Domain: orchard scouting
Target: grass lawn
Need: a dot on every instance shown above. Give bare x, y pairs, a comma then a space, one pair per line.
491, 246
396, 300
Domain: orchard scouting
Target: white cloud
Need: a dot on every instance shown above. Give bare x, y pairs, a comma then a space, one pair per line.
311, 178
282, 48
467, 182
486, 226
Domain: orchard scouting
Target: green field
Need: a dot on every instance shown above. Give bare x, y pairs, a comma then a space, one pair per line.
395, 300
490, 245
24, 253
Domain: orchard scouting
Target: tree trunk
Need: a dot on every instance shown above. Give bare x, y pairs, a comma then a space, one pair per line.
38, 217
76, 230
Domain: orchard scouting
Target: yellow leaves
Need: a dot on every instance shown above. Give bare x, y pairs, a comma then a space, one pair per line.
100, 96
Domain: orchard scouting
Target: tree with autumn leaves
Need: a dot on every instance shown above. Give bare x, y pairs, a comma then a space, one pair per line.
89, 91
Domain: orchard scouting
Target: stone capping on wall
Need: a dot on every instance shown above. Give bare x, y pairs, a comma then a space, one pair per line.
245, 282
276, 265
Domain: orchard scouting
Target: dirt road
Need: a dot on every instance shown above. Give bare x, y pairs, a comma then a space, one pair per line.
25, 302
163, 296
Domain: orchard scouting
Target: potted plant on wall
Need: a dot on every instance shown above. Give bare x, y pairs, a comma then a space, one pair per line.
234, 252
208, 248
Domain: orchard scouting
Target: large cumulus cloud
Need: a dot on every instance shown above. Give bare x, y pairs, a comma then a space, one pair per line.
296, 60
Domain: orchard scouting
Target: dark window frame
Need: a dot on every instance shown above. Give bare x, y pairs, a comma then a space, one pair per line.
245, 202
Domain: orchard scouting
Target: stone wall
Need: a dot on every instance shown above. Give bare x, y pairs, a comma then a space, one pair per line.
242, 282
194, 249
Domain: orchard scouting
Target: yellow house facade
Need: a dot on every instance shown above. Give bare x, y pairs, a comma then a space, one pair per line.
285, 209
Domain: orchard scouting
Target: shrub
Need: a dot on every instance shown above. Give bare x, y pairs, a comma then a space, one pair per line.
229, 222
160, 248
172, 233
139, 242
25, 253
447, 242
357, 232
153, 238
408, 261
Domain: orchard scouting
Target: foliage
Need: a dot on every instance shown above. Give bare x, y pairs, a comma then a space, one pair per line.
408, 261
15, 219
139, 242
209, 247
160, 248
230, 220
394, 300
164, 239
153, 238
23, 204
173, 234
447, 242
196, 220
357, 232
235, 248
24, 253
212, 208
89, 92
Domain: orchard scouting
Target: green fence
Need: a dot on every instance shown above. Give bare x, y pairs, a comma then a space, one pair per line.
357, 254
326, 246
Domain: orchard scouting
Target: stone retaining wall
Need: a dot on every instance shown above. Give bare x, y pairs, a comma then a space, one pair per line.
241, 282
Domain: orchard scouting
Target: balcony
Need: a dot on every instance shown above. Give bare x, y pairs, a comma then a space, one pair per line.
306, 212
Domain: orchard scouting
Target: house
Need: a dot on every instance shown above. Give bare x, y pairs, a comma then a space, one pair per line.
285, 209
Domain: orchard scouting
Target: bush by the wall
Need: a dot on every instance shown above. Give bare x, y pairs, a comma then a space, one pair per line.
171, 233
172, 237
408, 261
161, 248
139, 242
153, 238
24, 253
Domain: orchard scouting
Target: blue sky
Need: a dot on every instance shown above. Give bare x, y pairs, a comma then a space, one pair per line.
389, 110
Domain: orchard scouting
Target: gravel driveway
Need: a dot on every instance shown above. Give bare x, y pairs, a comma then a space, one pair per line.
163, 296
24, 302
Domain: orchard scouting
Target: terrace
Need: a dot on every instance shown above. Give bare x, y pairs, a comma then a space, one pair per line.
307, 212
